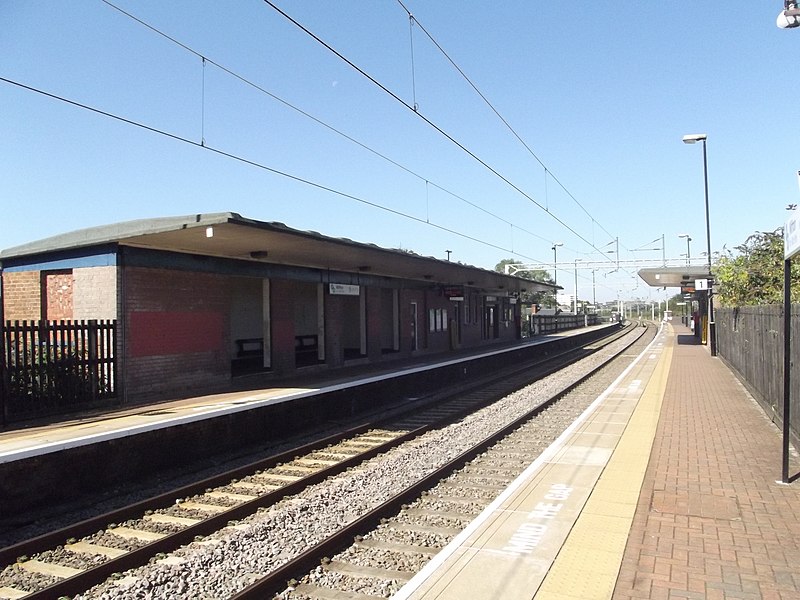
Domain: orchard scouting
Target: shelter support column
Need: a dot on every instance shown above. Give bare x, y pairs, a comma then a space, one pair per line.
266, 333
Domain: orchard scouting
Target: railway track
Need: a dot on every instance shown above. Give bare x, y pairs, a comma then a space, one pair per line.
71, 560
373, 557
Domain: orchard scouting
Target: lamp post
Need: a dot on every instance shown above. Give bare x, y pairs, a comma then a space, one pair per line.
555, 261
576, 286
688, 249
712, 337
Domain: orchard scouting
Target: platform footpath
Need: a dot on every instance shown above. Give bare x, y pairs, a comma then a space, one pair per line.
712, 520
666, 488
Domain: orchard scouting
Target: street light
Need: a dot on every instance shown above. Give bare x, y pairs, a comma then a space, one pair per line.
712, 338
688, 250
555, 261
577, 260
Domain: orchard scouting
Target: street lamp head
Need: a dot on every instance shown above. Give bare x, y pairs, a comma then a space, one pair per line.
556, 245
694, 138
685, 235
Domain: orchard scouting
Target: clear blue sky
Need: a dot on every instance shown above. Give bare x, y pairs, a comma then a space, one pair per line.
601, 93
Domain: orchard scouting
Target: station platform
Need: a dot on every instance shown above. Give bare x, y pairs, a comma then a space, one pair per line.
666, 487
26, 441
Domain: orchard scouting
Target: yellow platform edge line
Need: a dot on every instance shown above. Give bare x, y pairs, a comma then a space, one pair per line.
593, 547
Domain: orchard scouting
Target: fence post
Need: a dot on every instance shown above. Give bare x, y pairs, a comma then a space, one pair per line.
92, 341
4, 373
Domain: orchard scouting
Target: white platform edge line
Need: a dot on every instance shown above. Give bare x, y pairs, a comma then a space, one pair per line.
122, 432
437, 561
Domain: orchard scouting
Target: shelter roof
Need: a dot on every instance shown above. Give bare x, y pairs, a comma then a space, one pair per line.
229, 235
673, 276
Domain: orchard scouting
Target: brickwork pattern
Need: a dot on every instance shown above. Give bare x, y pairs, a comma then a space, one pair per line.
95, 293
22, 295
712, 523
58, 291
152, 290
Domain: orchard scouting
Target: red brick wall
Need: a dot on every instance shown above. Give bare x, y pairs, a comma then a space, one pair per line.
376, 312
176, 333
282, 325
22, 295
83, 293
58, 293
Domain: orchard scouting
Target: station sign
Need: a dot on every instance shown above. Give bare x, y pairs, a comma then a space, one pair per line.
344, 289
791, 236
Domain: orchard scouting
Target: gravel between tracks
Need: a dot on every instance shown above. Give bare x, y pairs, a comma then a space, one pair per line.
231, 559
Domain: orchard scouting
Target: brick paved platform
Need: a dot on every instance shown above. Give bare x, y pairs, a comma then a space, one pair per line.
712, 522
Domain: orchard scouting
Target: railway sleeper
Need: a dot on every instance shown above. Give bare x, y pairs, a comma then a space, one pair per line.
319, 593
49, 569
95, 549
424, 512
420, 528
344, 568
12, 593
396, 547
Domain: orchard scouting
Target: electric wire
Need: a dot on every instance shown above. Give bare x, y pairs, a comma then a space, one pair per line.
252, 163
436, 127
316, 120
497, 113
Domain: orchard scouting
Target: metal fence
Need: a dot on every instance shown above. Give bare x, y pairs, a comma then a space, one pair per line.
51, 367
543, 324
750, 340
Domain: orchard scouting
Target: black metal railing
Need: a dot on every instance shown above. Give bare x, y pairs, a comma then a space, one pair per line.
52, 367
544, 324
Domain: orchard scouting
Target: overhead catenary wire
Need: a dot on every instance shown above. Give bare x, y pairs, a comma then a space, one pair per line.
205, 59
428, 121
251, 162
499, 116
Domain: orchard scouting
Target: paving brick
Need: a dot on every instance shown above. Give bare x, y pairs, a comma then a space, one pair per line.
711, 514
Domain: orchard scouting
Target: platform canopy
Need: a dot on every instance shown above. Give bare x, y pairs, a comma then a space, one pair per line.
673, 276
229, 235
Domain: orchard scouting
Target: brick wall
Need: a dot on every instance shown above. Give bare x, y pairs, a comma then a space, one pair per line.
58, 293
95, 293
334, 319
83, 293
22, 295
176, 333
282, 316
376, 313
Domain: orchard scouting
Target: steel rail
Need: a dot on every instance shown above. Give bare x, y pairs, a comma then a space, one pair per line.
276, 580
82, 581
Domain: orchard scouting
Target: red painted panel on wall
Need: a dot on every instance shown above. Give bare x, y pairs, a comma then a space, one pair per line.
159, 333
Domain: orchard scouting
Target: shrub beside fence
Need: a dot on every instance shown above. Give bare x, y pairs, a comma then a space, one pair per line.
750, 340
52, 367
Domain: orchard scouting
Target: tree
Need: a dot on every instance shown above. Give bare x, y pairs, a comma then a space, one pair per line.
534, 275
755, 275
